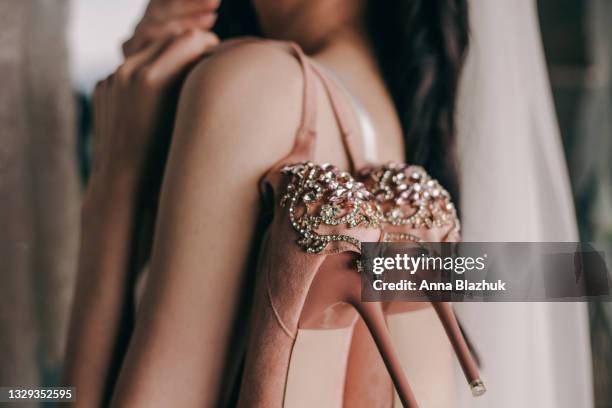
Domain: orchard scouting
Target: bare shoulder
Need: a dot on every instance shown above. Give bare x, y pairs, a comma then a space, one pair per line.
247, 98
273, 66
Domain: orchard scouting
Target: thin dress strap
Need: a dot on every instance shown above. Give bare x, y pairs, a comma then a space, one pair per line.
351, 141
305, 139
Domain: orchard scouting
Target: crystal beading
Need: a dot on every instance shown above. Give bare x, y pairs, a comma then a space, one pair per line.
407, 195
322, 194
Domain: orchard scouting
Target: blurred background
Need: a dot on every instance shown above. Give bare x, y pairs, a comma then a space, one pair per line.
577, 39
53, 52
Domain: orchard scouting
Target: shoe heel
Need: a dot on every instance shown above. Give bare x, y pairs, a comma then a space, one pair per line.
373, 316
466, 360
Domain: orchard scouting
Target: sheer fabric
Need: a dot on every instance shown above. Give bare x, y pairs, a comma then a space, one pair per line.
515, 187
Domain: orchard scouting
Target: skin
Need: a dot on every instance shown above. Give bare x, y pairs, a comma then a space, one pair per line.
164, 19
223, 140
122, 145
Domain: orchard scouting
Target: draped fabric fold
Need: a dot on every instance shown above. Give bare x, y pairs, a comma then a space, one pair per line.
515, 187
39, 204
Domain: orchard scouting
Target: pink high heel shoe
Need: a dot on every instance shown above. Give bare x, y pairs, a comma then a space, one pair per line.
316, 284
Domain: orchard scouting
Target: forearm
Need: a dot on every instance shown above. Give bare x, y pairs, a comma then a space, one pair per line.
187, 310
133, 117
107, 231
209, 203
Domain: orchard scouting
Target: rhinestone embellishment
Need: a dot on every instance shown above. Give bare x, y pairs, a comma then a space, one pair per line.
407, 195
317, 195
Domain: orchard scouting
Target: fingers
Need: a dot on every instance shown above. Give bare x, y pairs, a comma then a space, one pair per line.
147, 32
165, 10
137, 60
163, 61
171, 18
177, 56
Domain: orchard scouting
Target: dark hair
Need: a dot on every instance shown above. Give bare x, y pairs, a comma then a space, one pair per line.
420, 46
236, 18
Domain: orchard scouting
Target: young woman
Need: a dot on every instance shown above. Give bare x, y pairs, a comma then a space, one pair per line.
395, 67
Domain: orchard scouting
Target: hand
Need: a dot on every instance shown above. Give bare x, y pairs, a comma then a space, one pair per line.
134, 108
165, 19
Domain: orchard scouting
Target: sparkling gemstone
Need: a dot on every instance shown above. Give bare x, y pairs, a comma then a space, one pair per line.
405, 195
478, 388
399, 178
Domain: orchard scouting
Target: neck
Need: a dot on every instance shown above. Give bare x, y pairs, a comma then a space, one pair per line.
351, 57
349, 54
345, 43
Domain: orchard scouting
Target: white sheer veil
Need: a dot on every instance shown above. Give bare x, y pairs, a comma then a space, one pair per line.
515, 187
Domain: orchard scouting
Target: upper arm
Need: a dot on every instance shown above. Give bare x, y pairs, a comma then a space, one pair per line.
237, 115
